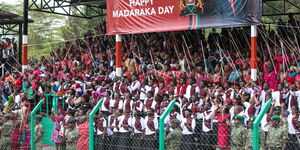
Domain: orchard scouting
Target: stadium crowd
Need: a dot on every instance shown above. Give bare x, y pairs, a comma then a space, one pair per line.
216, 101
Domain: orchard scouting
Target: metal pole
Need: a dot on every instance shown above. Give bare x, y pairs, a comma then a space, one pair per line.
118, 56
25, 37
32, 114
253, 52
162, 125
91, 123
20, 43
255, 137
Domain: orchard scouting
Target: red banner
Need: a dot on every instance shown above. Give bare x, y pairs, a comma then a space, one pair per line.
140, 16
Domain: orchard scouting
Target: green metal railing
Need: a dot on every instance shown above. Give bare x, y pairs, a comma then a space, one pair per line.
162, 125
54, 102
32, 114
91, 123
263, 111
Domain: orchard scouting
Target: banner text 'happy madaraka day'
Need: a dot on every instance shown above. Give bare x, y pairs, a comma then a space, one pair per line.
141, 16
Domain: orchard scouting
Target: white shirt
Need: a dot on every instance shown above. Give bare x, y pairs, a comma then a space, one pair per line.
120, 106
198, 115
115, 84
231, 111
144, 90
262, 97
207, 117
140, 107
188, 91
263, 124
156, 89
223, 95
103, 108
276, 97
122, 129
124, 104
168, 118
291, 128
152, 105
247, 105
134, 86
108, 130
147, 130
104, 124
231, 96
115, 124
18, 100
142, 125
112, 75
185, 129
247, 89
297, 94
182, 65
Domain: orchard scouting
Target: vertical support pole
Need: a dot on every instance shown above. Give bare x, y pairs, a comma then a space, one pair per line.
253, 52
162, 124
32, 115
20, 43
256, 123
54, 103
91, 124
25, 37
118, 56
47, 104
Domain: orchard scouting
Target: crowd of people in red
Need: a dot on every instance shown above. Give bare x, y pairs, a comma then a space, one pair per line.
208, 77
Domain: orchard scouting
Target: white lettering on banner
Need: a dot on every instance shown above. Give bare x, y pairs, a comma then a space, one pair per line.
134, 12
165, 10
134, 3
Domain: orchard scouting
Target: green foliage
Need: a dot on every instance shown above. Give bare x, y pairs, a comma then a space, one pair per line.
279, 5
77, 27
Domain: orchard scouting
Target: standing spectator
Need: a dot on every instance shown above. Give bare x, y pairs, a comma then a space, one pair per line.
138, 126
6, 131
207, 125
192, 88
39, 132
238, 134
277, 136
131, 63
174, 137
271, 77
188, 125
151, 128
125, 128
57, 118
106, 104
293, 120
137, 104
223, 128
100, 128
83, 129
149, 103
72, 135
